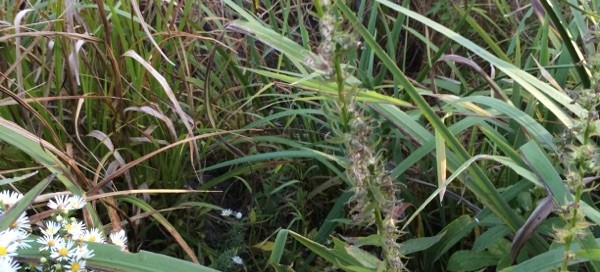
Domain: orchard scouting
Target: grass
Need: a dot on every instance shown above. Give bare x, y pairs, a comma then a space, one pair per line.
164, 113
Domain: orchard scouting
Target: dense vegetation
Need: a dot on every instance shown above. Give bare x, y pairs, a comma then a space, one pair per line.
311, 135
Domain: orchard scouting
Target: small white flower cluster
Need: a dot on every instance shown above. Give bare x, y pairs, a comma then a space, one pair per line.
64, 239
10, 241
229, 212
15, 237
237, 260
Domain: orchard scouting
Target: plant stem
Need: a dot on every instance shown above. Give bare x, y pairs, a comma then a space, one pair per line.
339, 76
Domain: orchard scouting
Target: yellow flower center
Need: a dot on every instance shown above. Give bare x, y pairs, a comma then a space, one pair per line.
51, 242
3, 251
75, 267
92, 239
63, 251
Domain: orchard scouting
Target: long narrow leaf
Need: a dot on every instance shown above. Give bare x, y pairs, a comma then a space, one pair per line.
111, 258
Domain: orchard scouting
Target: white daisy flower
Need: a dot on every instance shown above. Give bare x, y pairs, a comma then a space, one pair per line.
94, 235
75, 228
237, 260
76, 266
8, 198
52, 228
22, 241
226, 212
75, 203
59, 203
22, 223
82, 252
50, 241
9, 265
63, 252
119, 238
9, 243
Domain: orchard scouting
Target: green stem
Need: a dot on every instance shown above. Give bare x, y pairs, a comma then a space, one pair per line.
381, 230
319, 8
339, 76
572, 225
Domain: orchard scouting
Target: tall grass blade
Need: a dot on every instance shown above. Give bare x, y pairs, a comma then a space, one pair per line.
440, 157
577, 57
17, 179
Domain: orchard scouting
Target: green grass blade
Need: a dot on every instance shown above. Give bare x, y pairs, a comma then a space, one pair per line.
577, 57
288, 154
16, 179
441, 163
482, 33
339, 256
279, 247
533, 127
420, 244
539, 163
466, 260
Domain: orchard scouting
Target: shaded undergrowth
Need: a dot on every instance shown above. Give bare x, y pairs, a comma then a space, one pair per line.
164, 113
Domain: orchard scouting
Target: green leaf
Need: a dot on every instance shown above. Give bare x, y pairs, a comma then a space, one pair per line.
466, 260
419, 244
441, 163
453, 233
577, 57
489, 237
330, 88
288, 154
15, 179
111, 258
540, 164
537, 131
346, 257
296, 53
279, 247
589, 254
366, 259
330, 222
